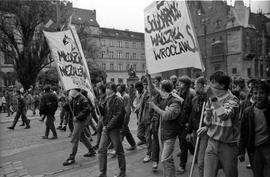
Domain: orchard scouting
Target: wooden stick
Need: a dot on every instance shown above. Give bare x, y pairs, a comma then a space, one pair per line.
197, 142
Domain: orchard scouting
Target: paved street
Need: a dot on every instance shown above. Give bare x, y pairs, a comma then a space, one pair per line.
24, 153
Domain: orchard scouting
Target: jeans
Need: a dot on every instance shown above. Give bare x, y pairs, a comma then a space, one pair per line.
125, 132
114, 137
80, 133
155, 141
183, 147
201, 152
50, 125
144, 134
262, 161
220, 153
167, 158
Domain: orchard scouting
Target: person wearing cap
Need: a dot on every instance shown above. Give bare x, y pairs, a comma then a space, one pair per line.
21, 111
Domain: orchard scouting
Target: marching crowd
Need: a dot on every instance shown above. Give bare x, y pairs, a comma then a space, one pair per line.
235, 121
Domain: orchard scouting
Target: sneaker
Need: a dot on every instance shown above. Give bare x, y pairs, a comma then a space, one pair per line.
248, 166
22, 124
58, 128
44, 137
155, 166
69, 162
11, 128
146, 159
181, 170
90, 154
131, 148
140, 143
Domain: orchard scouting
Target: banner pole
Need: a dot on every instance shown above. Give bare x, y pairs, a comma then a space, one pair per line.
197, 142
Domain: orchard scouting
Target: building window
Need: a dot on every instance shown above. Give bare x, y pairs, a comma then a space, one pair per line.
120, 67
120, 81
8, 59
111, 43
134, 45
127, 66
111, 66
143, 67
142, 56
217, 67
249, 72
127, 46
261, 70
127, 55
119, 54
234, 70
112, 79
134, 56
120, 44
103, 54
102, 42
104, 66
111, 54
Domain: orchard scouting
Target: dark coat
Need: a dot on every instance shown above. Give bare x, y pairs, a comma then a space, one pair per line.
48, 104
114, 112
80, 108
247, 130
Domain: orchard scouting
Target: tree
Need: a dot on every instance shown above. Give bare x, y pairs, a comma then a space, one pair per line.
96, 73
49, 76
21, 25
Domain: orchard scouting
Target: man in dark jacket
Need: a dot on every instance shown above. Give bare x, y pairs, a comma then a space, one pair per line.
113, 119
255, 131
81, 110
48, 107
21, 111
169, 109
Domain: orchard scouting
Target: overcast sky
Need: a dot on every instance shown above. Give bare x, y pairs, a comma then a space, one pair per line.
129, 14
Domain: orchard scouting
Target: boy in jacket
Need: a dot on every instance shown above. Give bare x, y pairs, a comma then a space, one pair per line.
255, 131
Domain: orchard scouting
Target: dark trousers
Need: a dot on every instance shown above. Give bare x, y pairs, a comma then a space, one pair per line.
144, 134
80, 133
68, 121
183, 147
99, 132
125, 132
155, 141
114, 137
21, 113
50, 125
262, 161
62, 116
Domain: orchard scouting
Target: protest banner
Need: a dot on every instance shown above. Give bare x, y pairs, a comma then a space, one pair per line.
170, 40
68, 56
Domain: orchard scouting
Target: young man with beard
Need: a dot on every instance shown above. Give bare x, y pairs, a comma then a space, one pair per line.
168, 108
255, 131
222, 119
112, 121
194, 121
